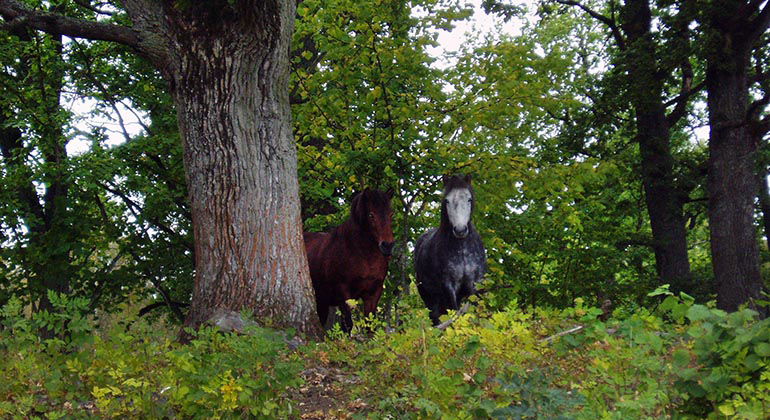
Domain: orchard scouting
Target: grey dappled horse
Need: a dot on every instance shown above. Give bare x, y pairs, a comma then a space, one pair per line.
450, 260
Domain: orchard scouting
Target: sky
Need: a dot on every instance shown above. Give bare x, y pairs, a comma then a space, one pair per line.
480, 24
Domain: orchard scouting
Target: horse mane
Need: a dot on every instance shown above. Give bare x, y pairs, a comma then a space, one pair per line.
356, 223
457, 181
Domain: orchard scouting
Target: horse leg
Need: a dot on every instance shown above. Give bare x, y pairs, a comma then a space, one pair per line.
370, 301
347, 318
323, 312
343, 295
435, 313
466, 290
451, 294
371, 298
444, 301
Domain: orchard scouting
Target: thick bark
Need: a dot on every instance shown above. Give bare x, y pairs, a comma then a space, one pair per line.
664, 201
732, 186
229, 77
732, 182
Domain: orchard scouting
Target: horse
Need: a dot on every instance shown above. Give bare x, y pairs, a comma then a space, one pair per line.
451, 259
351, 260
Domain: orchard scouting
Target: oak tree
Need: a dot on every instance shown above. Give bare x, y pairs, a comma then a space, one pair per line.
227, 66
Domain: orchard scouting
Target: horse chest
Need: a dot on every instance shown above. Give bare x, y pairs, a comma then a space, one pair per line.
374, 269
463, 264
358, 270
459, 267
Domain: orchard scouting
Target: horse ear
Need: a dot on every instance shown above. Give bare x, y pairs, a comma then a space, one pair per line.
445, 178
468, 178
389, 192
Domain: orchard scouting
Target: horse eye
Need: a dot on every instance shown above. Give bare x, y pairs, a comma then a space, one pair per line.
371, 216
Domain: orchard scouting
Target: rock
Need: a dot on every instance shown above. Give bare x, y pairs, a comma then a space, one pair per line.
230, 321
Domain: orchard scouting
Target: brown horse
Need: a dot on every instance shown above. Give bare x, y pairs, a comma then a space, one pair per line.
351, 260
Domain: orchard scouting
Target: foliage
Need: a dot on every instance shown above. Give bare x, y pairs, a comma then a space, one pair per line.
727, 369
129, 369
681, 360
497, 365
90, 222
540, 119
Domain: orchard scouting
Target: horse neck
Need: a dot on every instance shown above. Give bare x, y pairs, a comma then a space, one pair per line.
445, 225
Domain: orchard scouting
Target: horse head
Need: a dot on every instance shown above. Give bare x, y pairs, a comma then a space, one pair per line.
371, 210
458, 204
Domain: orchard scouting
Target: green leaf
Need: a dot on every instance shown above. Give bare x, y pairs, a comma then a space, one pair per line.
698, 313
661, 290
727, 409
762, 349
681, 358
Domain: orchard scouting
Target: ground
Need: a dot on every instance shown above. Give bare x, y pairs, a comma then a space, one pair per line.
324, 395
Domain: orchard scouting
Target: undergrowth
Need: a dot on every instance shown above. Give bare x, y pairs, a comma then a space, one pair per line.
680, 360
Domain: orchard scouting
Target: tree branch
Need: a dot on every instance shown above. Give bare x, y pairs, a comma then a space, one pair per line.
444, 325
601, 18
572, 330
87, 5
136, 209
759, 25
681, 100
15, 13
174, 306
97, 295
147, 36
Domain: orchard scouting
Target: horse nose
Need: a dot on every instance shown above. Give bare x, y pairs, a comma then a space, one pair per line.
462, 232
386, 248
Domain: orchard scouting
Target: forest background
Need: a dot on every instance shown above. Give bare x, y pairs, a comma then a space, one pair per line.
601, 161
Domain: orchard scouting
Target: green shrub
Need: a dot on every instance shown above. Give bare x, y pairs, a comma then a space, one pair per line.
679, 360
141, 372
537, 398
724, 370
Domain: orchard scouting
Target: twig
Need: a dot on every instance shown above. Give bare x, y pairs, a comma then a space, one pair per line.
442, 326
575, 329
557, 335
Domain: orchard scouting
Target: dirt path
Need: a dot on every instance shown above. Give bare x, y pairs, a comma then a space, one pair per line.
326, 395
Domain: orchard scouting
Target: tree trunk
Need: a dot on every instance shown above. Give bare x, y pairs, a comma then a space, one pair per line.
663, 199
52, 239
227, 64
732, 29
229, 77
664, 204
732, 184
